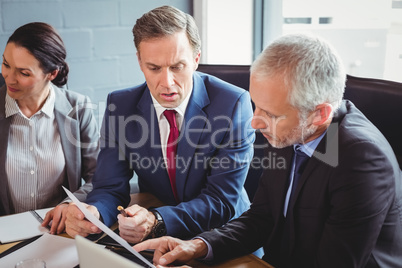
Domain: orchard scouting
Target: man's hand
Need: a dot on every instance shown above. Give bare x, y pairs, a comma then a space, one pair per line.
169, 249
76, 224
58, 217
137, 226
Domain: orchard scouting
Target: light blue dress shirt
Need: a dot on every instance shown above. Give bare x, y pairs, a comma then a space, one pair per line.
308, 149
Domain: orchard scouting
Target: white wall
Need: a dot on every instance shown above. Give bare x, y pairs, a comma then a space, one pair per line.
97, 35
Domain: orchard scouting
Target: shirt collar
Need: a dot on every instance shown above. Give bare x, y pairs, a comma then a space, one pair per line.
47, 108
11, 106
309, 147
179, 109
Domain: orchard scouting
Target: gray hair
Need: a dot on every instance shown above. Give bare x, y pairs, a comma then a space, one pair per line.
164, 21
312, 70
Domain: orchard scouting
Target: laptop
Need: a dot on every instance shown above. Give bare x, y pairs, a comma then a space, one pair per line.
92, 255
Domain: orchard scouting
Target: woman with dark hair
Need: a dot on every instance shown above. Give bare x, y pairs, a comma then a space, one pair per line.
49, 136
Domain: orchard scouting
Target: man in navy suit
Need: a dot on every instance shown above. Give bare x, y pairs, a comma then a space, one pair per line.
342, 207
214, 147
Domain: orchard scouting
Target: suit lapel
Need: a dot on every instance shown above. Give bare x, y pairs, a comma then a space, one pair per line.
326, 152
69, 131
4, 131
152, 147
194, 119
147, 110
290, 221
279, 177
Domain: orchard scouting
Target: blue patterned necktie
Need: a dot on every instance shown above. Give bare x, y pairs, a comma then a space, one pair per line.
300, 164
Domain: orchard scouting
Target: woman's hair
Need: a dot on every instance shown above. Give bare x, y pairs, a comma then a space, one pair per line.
45, 44
313, 72
165, 21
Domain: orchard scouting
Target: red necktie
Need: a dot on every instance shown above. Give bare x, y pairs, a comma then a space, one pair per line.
171, 149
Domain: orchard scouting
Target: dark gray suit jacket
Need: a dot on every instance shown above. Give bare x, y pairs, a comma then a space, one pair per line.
346, 210
79, 137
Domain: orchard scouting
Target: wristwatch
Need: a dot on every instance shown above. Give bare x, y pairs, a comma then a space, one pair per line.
159, 228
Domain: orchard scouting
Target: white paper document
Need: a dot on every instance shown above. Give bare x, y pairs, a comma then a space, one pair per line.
21, 226
89, 216
56, 251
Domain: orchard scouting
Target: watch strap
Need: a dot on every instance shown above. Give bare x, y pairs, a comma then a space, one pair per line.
159, 228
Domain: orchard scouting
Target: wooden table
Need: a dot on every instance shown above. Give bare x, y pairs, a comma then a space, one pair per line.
249, 261
147, 200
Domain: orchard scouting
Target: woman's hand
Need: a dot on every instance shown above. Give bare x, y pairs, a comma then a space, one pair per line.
57, 217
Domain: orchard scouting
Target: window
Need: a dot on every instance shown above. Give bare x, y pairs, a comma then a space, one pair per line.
366, 33
226, 29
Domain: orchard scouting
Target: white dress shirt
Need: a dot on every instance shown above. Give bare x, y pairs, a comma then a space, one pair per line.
35, 163
164, 128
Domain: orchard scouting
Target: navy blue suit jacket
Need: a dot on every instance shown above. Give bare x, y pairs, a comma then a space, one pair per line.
214, 153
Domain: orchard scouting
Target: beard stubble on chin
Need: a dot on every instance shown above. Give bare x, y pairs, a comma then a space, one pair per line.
297, 135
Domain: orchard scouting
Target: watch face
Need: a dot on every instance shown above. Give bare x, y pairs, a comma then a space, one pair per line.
160, 229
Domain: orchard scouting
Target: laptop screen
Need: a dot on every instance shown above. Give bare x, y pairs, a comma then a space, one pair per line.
92, 255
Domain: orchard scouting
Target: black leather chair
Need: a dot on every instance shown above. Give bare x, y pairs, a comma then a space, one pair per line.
239, 75
379, 100
2, 82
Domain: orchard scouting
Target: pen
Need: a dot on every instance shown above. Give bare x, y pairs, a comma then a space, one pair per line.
122, 211
38, 217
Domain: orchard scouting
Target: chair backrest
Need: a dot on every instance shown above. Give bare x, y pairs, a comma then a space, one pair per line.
379, 100
239, 75
2, 82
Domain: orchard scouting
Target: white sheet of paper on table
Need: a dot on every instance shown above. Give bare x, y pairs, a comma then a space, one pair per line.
56, 251
21, 226
104, 228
